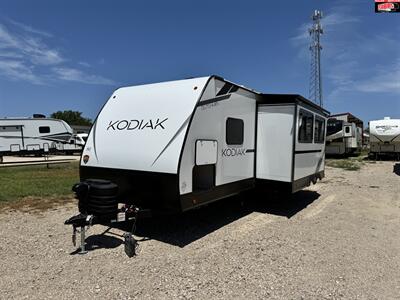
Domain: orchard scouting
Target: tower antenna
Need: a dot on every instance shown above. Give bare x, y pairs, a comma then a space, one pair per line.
315, 89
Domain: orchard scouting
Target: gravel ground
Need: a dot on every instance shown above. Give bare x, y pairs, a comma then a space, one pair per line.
337, 239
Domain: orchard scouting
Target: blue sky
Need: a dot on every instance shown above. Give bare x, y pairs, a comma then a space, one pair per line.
57, 55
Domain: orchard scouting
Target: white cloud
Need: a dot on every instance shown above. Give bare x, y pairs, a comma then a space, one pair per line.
30, 29
17, 70
361, 69
85, 64
384, 81
71, 74
31, 47
329, 22
338, 18
26, 54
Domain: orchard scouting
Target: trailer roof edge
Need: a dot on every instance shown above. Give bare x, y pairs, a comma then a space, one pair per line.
290, 98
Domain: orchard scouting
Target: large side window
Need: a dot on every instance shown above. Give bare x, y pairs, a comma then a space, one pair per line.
319, 130
234, 131
44, 129
305, 126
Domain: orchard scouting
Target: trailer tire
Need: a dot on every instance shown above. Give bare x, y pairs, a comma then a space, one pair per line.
102, 201
97, 197
99, 187
102, 210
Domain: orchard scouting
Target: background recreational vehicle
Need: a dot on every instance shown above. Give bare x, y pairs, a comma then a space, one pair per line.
20, 136
384, 137
74, 145
176, 145
344, 134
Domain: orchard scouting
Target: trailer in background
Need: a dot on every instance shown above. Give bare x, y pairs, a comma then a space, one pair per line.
344, 135
37, 135
384, 138
74, 145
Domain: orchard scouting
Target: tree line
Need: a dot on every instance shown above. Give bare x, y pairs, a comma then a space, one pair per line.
72, 117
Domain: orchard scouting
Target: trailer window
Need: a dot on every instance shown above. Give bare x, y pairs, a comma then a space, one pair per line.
234, 131
333, 126
306, 120
44, 129
319, 130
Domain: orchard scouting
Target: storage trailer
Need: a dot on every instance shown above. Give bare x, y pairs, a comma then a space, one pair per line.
174, 146
344, 135
37, 135
384, 136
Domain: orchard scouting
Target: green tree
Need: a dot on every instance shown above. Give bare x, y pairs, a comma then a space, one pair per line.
72, 117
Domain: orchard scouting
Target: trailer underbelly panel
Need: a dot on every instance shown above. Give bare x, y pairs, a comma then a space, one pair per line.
147, 190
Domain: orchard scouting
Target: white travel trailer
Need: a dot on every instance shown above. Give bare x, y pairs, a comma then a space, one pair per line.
177, 145
20, 136
344, 135
384, 136
74, 145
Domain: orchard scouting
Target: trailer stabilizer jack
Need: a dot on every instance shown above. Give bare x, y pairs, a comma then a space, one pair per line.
82, 221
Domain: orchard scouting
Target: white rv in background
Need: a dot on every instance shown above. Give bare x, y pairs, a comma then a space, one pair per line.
344, 135
384, 136
37, 135
177, 145
74, 145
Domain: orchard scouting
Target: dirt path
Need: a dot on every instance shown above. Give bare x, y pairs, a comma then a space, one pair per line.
337, 239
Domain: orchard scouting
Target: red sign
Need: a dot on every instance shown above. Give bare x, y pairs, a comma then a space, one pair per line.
386, 6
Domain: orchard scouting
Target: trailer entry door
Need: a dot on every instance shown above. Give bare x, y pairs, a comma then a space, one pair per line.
204, 169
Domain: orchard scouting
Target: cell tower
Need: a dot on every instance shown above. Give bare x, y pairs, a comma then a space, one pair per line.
315, 31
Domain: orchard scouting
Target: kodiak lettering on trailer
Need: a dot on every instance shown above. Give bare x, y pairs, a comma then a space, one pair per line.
137, 124
233, 152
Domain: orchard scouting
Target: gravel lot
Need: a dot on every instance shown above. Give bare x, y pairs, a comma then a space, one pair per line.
337, 239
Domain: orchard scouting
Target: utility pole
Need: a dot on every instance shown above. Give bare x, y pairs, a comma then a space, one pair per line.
315, 91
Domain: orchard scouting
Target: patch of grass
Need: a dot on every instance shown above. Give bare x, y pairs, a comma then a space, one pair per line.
33, 183
364, 152
346, 164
